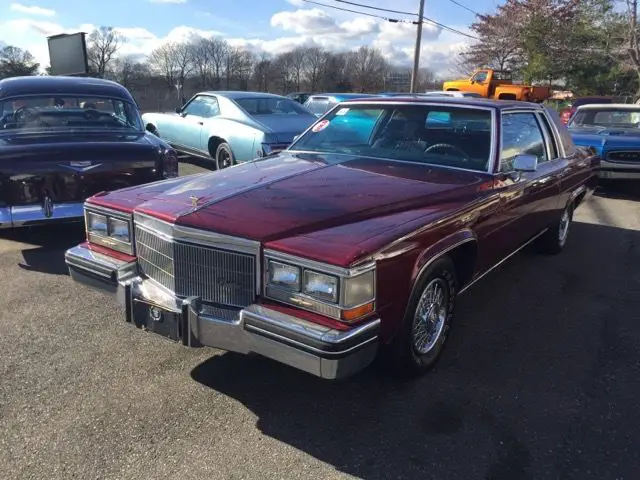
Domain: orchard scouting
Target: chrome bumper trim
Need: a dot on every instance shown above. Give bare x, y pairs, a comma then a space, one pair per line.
322, 351
27, 215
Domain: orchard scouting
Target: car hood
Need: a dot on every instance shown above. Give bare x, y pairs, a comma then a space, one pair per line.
606, 139
296, 194
284, 127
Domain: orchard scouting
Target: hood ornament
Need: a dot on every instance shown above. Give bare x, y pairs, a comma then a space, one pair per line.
194, 201
47, 207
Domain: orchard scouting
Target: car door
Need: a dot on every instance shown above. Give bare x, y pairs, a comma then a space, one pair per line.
193, 115
527, 133
211, 111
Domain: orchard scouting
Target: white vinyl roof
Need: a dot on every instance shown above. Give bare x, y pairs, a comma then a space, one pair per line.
609, 106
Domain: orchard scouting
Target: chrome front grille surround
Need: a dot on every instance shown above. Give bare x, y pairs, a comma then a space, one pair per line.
219, 269
623, 156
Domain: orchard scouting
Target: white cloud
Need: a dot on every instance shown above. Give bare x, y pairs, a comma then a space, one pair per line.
32, 10
301, 27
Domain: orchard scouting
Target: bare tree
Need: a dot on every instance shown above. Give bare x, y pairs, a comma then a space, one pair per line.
163, 61
283, 68
218, 50
315, 60
369, 68
239, 67
263, 72
202, 61
298, 58
131, 73
103, 45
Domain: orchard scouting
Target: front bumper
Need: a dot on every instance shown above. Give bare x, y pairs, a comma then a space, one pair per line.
31, 215
316, 349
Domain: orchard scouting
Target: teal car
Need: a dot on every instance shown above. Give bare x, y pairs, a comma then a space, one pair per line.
231, 127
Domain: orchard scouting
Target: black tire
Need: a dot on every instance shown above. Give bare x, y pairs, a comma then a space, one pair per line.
404, 355
224, 156
554, 240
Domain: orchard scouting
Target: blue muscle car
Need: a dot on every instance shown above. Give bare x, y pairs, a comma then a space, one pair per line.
613, 132
231, 127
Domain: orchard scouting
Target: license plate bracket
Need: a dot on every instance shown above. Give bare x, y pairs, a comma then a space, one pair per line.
155, 319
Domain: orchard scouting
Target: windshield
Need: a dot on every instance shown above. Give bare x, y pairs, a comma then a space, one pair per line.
454, 136
69, 113
271, 106
606, 118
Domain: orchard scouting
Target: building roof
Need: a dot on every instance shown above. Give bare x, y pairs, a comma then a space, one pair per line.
61, 85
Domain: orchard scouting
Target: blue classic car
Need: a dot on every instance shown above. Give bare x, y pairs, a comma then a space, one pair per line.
231, 127
613, 131
321, 103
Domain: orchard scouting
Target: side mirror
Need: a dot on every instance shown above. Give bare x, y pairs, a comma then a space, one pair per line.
525, 163
178, 109
295, 138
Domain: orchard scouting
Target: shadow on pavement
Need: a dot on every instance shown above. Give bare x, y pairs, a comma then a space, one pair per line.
539, 380
48, 246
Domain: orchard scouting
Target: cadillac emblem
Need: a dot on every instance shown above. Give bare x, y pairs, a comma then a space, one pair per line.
47, 207
155, 314
194, 201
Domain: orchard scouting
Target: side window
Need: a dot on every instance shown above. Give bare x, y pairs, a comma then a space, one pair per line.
197, 107
480, 77
521, 134
553, 149
212, 107
565, 136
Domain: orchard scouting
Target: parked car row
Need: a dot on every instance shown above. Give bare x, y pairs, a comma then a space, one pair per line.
322, 243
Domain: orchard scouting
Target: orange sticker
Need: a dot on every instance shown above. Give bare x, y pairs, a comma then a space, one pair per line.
321, 125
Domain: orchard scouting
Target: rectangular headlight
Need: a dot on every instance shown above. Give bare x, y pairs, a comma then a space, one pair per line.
359, 290
321, 286
284, 276
97, 224
119, 229
111, 231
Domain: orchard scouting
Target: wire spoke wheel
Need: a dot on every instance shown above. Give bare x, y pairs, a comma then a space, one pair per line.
431, 316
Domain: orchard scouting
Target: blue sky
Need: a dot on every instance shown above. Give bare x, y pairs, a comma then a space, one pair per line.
270, 26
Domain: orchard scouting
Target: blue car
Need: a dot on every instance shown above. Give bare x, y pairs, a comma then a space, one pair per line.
231, 127
321, 103
613, 132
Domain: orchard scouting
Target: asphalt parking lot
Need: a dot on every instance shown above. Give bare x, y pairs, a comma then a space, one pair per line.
540, 380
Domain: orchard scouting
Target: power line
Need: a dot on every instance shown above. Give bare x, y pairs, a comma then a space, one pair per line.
463, 6
392, 20
377, 8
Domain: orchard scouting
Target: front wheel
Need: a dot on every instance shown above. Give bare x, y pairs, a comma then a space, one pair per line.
554, 240
424, 331
224, 156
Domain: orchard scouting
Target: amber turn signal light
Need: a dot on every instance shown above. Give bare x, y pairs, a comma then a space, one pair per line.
358, 312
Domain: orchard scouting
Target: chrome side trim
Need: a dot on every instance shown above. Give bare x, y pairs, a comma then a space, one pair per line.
486, 272
5, 217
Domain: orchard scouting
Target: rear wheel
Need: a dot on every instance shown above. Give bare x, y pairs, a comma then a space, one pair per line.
224, 156
424, 331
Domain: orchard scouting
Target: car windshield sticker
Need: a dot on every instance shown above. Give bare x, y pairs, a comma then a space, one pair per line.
318, 127
342, 111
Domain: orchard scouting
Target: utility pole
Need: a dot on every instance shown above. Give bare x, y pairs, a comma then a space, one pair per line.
416, 54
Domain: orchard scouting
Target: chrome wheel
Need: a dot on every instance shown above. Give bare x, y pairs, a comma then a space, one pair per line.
563, 228
431, 316
224, 157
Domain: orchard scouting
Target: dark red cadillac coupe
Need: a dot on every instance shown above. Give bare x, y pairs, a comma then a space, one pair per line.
62, 139
354, 242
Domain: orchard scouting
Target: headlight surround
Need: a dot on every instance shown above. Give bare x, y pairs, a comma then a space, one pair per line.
109, 229
335, 292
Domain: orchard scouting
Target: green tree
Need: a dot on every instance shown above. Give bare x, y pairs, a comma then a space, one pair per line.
15, 62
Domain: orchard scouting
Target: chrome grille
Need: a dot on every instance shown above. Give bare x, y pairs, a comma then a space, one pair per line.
219, 276
624, 156
216, 275
155, 257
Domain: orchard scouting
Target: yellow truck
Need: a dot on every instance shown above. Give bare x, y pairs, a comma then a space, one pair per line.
499, 85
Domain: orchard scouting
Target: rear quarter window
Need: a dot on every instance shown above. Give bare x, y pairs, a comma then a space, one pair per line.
563, 133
